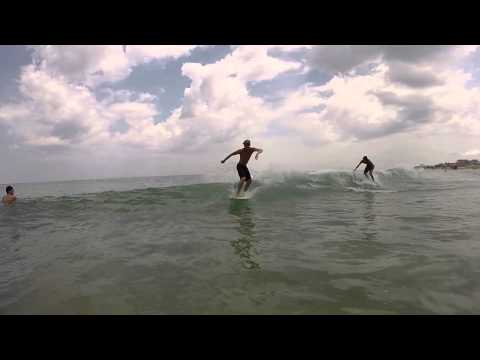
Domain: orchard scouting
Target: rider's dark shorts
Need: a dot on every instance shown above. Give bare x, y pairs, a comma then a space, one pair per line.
243, 171
369, 168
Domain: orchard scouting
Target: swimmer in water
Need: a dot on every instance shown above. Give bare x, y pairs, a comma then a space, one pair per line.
10, 198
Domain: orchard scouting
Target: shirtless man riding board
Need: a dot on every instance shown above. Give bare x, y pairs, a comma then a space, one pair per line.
243, 173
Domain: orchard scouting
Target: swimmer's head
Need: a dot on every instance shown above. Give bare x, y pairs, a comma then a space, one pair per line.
365, 157
10, 190
246, 143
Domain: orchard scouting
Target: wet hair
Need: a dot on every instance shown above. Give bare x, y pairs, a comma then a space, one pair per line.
246, 142
9, 188
365, 157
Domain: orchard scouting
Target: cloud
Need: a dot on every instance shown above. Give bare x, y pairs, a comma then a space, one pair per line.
412, 76
403, 92
217, 106
411, 111
246, 63
60, 109
95, 64
473, 152
421, 89
55, 112
68, 131
363, 107
338, 59
342, 59
414, 53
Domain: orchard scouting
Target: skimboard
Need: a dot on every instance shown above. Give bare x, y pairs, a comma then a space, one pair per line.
239, 197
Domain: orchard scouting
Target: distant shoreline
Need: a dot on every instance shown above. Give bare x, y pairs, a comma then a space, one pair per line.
458, 165
443, 168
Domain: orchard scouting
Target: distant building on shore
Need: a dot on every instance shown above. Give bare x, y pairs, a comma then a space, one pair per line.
459, 164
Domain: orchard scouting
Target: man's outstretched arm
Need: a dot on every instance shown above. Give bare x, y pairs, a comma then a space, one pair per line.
358, 165
259, 151
229, 156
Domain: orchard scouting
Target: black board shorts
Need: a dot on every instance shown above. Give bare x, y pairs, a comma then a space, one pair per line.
243, 172
369, 168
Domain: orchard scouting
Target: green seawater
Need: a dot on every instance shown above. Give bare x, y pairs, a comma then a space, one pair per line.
304, 243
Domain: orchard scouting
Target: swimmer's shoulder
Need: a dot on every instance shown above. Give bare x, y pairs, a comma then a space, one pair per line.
9, 200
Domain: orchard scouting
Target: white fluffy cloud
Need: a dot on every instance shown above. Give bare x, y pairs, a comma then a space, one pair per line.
408, 89
341, 59
413, 76
53, 112
217, 106
473, 152
420, 90
60, 109
95, 64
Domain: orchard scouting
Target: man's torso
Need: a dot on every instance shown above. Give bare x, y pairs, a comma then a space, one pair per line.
368, 163
245, 155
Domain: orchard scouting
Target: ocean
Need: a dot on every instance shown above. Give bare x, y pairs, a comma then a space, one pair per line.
318, 242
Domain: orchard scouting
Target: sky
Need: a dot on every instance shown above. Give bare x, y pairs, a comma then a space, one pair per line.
100, 111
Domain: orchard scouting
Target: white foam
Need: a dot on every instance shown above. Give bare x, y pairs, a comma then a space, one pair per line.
371, 190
